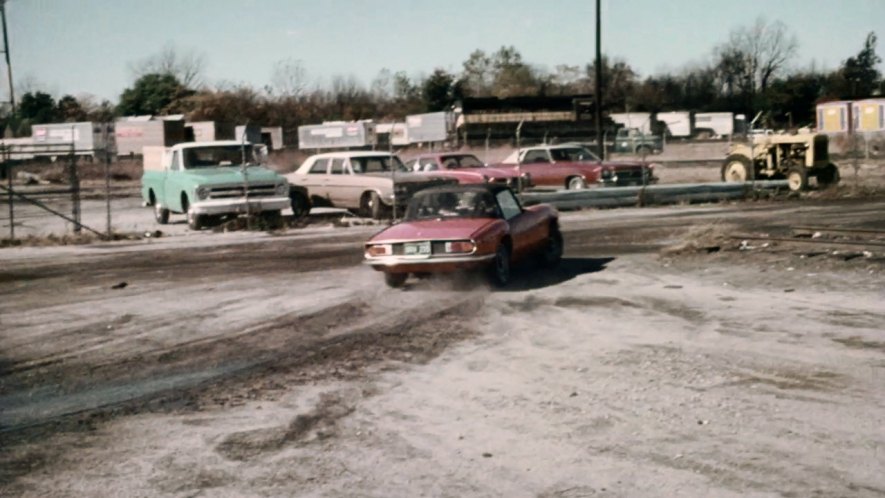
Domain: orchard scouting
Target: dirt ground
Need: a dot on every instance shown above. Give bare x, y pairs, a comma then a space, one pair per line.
662, 358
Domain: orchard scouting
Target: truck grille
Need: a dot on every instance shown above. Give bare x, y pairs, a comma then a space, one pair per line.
233, 191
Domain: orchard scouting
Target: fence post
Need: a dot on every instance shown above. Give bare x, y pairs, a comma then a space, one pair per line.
75, 190
107, 189
7, 165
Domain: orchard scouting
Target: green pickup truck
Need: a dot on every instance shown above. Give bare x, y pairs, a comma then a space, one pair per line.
207, 180
633, 141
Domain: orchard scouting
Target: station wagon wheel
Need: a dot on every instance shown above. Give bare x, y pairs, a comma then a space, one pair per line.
395, 280
797, 178
553, 248
737, 168
370, 206
499, 272
576, 183
161, 214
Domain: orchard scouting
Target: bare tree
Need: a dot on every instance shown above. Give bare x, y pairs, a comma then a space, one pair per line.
289, 78
187, 67
754, 56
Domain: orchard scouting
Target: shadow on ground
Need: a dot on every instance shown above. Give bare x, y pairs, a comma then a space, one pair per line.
529, 278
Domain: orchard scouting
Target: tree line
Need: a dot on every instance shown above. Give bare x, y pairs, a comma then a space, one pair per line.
753, 70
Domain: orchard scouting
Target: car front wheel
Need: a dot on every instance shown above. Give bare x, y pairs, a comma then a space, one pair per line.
499, 272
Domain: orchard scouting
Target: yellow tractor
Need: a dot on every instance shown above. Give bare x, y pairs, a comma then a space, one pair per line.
795, 157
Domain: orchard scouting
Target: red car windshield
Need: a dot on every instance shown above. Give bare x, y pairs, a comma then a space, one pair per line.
455, 162
573, 154
448, 204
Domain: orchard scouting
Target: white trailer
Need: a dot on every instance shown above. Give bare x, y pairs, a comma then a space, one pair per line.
720, 124
638, 120
678, 123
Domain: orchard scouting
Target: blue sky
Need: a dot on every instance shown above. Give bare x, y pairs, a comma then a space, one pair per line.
88, 46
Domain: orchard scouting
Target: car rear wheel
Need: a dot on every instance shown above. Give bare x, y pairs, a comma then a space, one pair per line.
576, 183
395, 280
499, 272
552, 254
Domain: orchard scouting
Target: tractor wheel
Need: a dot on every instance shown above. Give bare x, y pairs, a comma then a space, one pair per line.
828, 176
737, 168
797, 178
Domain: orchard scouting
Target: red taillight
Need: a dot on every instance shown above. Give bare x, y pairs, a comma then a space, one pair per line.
460, 246
379, 250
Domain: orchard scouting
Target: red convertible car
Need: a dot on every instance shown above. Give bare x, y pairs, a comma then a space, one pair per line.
465, 227
466, 168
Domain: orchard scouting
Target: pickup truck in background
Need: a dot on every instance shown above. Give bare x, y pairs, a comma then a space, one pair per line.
633, 141
206, 180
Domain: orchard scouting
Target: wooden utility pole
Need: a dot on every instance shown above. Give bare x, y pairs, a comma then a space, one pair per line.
600, 145
6, 52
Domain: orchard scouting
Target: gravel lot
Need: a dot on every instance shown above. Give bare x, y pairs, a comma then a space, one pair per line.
658, 360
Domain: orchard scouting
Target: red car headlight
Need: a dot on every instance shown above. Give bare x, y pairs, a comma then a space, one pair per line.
460, 246
375, 250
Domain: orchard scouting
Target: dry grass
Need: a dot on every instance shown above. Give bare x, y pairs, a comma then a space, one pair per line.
706, 239
69, 239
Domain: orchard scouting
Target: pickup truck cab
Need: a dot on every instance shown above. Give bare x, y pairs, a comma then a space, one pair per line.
633, 141
209, 179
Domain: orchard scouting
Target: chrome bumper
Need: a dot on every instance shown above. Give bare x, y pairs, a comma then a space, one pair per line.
240, 205
426, 260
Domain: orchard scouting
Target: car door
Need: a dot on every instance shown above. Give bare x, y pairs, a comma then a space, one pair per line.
523, 225
341, 184
316, 178
537, 163
170, 184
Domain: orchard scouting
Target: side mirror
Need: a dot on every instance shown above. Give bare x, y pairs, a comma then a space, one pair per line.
259, 152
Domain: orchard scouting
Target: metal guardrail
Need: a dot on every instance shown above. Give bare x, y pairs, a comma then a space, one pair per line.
652, 194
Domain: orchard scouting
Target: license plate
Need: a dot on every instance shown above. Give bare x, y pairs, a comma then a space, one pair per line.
417, 248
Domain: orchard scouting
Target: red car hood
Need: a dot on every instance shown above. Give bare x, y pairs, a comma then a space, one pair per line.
446, 229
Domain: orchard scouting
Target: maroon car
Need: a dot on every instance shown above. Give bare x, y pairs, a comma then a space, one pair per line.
467, 169
573, 166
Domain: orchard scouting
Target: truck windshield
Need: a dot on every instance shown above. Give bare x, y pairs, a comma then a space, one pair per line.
214, 156
573, 154
376, 164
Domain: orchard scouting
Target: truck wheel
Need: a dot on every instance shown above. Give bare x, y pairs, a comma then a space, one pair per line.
161, 214
499, 272
395, 280
575, 183
300, 205
737, 168
797, 178
371, 207
273, 220
643, 150
195, 221
828, 176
